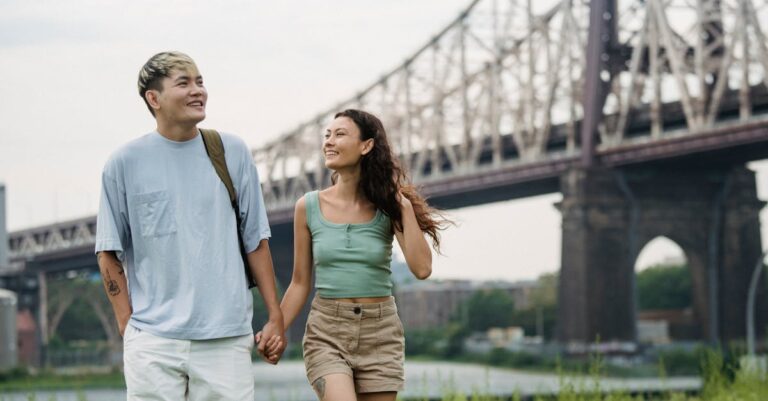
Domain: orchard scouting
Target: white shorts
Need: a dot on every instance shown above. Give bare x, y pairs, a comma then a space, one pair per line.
166, 369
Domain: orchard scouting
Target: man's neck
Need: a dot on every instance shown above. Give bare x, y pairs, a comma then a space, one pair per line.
175, 132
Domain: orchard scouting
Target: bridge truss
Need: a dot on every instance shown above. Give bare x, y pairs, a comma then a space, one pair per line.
503, 86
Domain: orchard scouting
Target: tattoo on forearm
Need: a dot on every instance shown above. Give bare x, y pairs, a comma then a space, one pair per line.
112, 287
320, 387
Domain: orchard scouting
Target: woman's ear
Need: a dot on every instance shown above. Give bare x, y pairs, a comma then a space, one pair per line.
367, 146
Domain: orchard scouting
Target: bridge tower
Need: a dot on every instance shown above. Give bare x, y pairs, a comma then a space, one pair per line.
710, 209
609, 215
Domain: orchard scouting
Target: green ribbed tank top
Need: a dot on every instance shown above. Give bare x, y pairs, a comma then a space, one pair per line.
350, 260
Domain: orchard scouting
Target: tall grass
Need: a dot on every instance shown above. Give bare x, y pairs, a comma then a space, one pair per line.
723, 380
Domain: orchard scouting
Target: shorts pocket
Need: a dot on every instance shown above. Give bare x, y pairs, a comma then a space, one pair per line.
156, 214
390, 345
320, 341
247, 342
130, 334
400, 326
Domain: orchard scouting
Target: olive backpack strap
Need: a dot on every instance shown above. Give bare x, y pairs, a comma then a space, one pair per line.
215, 150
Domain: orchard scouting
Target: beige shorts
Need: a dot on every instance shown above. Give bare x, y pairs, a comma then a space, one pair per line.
364, 341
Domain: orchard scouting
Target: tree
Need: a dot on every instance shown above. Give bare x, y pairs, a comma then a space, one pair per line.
664, 287
79, 310
489, 308
540, 316
427, 341
545, 293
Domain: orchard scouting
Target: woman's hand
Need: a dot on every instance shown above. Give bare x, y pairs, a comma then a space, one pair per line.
412, 242
405, 203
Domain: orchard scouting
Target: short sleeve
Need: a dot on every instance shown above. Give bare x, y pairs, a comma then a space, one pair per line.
112, 230
253, 212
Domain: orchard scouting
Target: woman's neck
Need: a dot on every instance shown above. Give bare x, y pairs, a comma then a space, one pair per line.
348, 186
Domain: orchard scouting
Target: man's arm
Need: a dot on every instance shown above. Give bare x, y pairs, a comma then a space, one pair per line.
273, 333
301, 281
116, 286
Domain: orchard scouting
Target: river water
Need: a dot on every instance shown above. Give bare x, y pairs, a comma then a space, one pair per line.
287, 382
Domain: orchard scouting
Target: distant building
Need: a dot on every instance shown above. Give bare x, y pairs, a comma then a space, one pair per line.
430, 304
653, 332
509, 338
8, 343
674, 260
501, 337
663, 325
27, 338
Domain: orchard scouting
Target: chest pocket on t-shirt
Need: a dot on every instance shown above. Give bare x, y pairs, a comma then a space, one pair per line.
156, 214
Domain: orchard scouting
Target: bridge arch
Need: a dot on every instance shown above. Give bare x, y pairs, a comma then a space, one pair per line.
664, 296
651, 253
76, 308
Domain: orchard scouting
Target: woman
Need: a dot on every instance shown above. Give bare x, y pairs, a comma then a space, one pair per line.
354, 344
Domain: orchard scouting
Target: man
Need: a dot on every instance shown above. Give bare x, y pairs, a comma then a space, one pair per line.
169, 255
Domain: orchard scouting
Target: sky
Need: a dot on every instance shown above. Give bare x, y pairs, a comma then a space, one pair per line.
68, 99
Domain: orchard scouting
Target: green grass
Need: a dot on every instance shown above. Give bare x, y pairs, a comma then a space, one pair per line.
530, 362
723, 381
50, 381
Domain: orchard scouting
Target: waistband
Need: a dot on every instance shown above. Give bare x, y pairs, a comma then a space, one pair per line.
354, 310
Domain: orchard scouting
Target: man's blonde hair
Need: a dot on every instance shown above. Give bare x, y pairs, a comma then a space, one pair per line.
158, 67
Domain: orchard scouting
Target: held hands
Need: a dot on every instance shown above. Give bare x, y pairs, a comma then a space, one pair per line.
271, 342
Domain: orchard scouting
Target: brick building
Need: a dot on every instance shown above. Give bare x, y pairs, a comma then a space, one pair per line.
430, 304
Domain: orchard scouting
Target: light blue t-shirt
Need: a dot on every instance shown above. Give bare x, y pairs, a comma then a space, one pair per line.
168, 216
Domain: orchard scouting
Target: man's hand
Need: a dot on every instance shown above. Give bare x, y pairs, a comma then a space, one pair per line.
271, 341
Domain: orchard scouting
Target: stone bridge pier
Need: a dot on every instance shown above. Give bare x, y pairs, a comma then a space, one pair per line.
711, 212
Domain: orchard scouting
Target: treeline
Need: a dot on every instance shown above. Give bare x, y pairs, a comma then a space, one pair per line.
659, 287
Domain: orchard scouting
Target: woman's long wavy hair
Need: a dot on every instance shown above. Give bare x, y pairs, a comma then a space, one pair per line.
382, 178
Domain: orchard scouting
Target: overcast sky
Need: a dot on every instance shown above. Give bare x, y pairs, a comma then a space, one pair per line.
68, 98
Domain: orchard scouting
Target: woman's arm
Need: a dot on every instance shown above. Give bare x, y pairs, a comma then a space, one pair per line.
298, 291
411, 239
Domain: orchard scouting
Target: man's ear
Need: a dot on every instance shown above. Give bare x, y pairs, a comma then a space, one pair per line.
151, 97
367, 146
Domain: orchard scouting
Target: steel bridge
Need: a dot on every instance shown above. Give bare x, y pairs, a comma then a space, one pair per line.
598, 100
